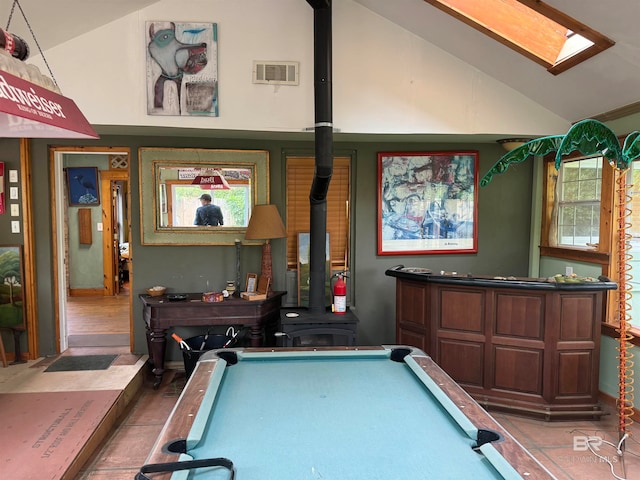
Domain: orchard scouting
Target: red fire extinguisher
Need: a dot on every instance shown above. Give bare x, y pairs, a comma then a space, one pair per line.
340, 296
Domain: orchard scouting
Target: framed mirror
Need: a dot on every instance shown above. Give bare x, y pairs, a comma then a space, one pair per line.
174, 183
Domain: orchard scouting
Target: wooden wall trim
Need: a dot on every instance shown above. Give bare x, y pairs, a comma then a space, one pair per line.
613, 403
85, 292
54, 248
29, 281
611, 330
106, 177
53, 150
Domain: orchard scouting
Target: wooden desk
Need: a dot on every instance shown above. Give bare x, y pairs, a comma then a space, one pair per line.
160, 314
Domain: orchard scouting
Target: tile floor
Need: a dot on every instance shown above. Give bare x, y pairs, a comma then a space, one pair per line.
559, 446
552, 443
562, 449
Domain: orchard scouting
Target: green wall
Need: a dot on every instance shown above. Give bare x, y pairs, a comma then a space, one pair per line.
503, 230
85, 262
609, 366
504, 226
10, 156
508, 237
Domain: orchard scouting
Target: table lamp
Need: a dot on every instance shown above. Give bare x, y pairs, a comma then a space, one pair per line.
265, 223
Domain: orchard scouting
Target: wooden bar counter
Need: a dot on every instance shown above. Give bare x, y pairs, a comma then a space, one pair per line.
525, 345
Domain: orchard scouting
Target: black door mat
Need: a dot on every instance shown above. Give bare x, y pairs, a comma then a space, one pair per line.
73, 363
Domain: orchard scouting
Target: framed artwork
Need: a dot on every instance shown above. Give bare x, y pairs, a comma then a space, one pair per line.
304, 243
182, 68
82, 186
11, 298
427, 202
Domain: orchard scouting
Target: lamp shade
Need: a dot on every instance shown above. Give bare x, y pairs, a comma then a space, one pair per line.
512, 143
265, 223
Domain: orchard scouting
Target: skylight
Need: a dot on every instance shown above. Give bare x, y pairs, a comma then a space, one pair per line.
530, 27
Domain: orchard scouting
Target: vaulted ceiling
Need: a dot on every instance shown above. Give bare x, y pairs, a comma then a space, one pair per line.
609, 82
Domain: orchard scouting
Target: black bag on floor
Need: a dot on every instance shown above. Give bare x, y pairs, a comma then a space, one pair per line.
193, 348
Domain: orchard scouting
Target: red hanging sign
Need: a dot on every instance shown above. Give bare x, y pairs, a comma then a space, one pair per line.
211, 182
28, 110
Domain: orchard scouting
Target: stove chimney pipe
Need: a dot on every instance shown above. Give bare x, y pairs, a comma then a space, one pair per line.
324, 153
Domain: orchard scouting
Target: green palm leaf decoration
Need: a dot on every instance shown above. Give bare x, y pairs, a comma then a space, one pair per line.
590, 137
539, 146
631, 148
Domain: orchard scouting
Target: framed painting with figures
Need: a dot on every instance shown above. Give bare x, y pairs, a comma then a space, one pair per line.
427, 202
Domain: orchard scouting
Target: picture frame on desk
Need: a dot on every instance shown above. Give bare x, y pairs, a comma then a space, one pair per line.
260, 292
252, 283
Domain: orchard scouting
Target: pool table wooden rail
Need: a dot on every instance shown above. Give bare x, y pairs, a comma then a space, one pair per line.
519, 458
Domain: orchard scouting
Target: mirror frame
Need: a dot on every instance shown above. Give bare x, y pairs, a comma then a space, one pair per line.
150, 159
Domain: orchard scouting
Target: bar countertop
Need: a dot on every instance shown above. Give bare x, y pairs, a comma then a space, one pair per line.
563, 282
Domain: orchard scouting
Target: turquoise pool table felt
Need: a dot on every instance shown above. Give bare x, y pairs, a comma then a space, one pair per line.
332, 419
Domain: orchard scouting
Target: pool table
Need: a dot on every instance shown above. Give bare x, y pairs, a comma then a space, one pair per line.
370, 413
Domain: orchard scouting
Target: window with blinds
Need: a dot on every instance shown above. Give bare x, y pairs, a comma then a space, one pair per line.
300, 171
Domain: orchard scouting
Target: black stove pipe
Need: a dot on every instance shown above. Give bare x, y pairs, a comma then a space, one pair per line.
324, 153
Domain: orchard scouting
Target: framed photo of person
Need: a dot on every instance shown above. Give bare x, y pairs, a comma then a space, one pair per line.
427, 202
252, 283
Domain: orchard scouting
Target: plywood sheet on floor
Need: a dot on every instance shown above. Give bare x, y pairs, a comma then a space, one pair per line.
43, 446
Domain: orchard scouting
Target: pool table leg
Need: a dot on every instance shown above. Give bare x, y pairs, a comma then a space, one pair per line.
157, 343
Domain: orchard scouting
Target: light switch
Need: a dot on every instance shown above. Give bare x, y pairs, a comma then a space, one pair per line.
15, 210
13, 193
15, 226
99, 226
13, 176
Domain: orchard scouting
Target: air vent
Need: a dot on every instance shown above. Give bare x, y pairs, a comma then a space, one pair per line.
276, 73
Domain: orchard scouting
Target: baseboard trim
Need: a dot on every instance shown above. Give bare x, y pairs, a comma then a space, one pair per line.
85, 292
612, 402
99, 340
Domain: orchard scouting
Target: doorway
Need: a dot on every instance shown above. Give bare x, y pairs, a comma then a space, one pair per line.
91, 275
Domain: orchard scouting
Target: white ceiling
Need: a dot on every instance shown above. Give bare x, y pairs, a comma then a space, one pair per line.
56, 21
609, 81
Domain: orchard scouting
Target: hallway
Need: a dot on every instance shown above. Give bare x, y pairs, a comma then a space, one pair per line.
99, 321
